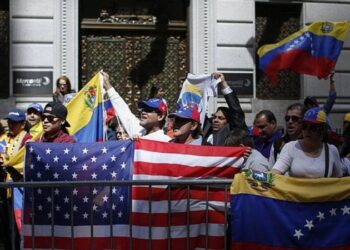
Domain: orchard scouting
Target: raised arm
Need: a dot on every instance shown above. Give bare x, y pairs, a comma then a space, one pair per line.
232, 102
327, 107
129, 121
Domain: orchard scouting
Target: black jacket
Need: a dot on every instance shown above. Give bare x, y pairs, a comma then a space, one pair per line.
238, 121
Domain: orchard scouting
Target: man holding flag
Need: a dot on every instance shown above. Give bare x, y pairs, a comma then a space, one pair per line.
152, 120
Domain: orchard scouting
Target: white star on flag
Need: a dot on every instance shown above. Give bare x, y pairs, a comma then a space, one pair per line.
65, 167
320, 216
333, 212
298, 234
105, 198
309, 224
85, 167
48, 151
346, 210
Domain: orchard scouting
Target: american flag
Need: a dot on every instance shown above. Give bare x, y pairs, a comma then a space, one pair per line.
86, 217
62, 218
162, 223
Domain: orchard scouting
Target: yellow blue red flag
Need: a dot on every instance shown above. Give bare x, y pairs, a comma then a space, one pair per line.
314, 50
277, 212
85, 112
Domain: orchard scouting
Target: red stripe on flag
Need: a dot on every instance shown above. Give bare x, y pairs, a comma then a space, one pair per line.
176, 170
171, 206
158, 194
301, 62
122, 243
177, 219
185, 149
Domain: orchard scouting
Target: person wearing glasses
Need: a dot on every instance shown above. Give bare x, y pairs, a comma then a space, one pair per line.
311, 156
64, 92
293, 119
187, 128
55, 124
152, 118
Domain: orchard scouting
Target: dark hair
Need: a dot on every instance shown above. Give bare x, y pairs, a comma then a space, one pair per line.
198, 132
66, 79
237, 137
270, 117
299, 106
153, 92
2, 129
228, 115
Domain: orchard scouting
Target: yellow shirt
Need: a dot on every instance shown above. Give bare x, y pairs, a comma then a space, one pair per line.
36, 130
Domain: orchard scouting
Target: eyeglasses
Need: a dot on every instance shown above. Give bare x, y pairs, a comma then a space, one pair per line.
312, 128
150, 110
294, 118
50, 118
181, 121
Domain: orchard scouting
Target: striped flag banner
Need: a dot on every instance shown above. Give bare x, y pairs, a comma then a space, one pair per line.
170, 217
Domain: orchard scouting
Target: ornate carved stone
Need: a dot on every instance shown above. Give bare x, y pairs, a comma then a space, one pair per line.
136, 62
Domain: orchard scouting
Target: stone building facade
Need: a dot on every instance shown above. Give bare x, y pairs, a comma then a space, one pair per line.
45, 41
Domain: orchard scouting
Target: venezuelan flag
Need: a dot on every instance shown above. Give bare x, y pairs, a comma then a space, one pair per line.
277, 212
313, 50
85, 112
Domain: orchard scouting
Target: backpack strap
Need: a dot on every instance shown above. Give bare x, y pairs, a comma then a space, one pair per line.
326, 149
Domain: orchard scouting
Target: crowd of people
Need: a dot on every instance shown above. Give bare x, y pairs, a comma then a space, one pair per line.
307, 140
307, 147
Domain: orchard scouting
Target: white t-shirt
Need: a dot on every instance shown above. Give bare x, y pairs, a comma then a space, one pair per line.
130, 122
294, 160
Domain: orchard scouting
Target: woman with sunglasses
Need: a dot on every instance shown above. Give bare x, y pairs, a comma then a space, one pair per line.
310, 157
55, 124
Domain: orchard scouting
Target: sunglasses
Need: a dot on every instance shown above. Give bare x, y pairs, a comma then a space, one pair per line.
181, 121
150, 110
312, 128
50, 118
294, 118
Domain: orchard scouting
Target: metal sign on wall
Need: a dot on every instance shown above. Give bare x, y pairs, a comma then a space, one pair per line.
240, 82
32, 83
